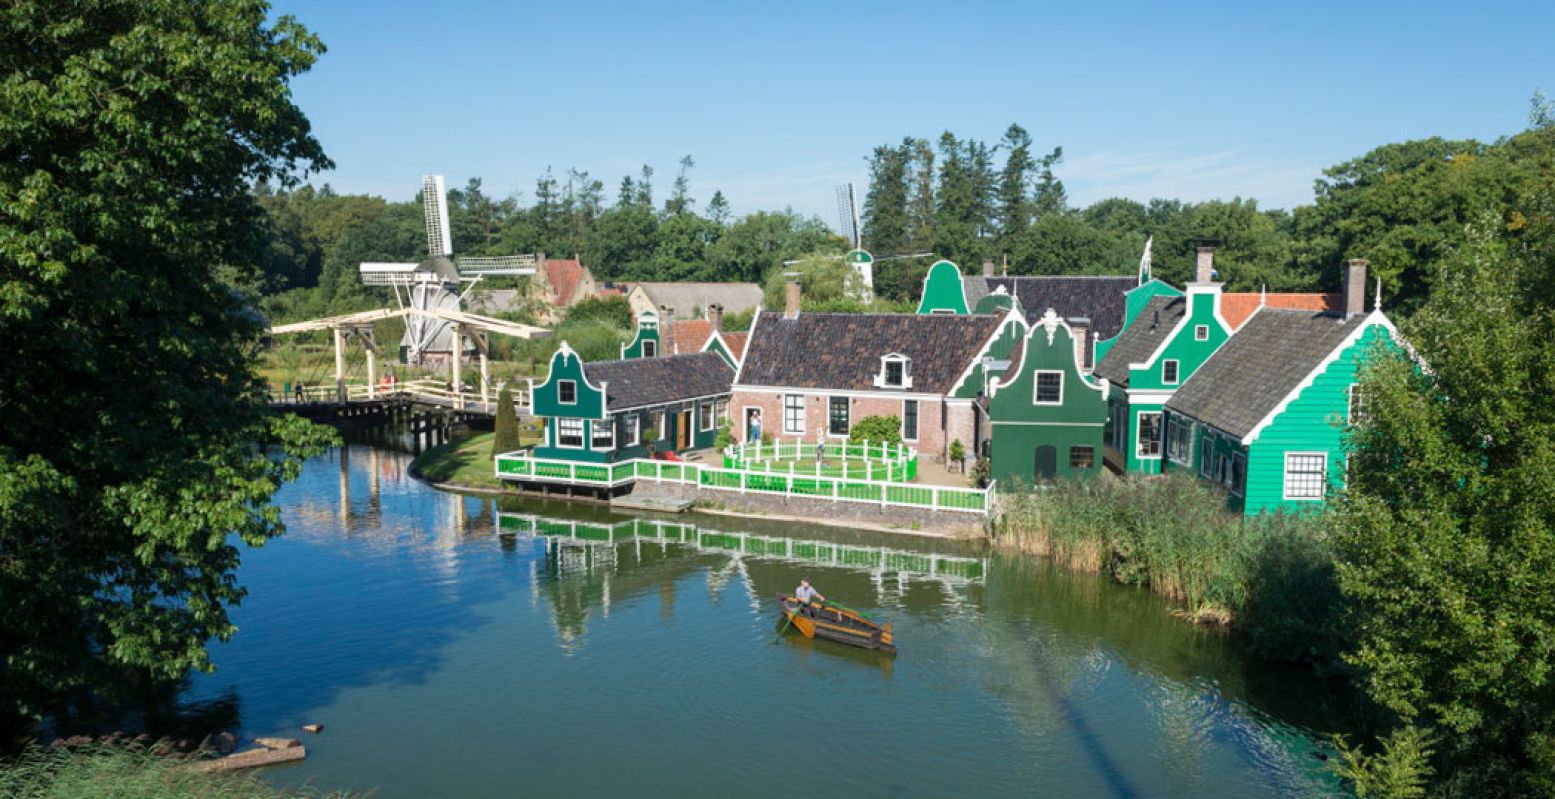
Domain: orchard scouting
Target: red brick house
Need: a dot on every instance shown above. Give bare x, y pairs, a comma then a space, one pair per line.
812, 375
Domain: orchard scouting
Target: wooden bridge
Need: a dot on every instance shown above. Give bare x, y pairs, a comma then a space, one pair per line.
359, 326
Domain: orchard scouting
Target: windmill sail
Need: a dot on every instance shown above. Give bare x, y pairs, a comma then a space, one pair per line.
1144, 262
434, 202
847, 213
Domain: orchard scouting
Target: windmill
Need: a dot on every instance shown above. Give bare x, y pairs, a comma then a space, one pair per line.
434, 284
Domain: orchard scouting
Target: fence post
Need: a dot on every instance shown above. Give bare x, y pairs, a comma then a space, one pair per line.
934, 499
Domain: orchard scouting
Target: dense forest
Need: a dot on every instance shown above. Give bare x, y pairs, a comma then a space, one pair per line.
1403, 206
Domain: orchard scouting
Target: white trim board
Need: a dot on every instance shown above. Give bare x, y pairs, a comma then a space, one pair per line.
1373, 318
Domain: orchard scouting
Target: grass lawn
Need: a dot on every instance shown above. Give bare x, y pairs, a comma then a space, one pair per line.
465, 462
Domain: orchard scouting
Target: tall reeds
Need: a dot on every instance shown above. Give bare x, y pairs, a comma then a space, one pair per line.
1174, 536
127, 772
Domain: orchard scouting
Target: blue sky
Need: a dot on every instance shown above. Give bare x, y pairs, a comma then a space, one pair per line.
779, 102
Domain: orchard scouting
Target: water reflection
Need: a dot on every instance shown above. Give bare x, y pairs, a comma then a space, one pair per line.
546, 628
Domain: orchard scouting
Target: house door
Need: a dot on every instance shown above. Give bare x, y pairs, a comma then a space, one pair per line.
1047, 463
682, 430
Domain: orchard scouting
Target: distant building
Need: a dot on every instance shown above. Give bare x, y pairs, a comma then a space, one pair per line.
556, 285
1046, 416
692, 300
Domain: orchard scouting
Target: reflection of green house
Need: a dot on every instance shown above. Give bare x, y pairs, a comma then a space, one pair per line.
1163, 347
600, 412
1265, 415
1046, 415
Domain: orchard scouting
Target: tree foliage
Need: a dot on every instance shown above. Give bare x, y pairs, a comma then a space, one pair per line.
877, 429
505, 429
131, 134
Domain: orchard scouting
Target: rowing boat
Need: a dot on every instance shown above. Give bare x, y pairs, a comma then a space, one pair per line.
843, 625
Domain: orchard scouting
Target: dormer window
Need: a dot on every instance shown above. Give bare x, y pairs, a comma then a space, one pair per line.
895, 371
567, 391
650, 348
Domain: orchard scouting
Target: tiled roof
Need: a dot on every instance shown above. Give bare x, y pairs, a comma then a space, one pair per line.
1142, 338
636, 382
843, 351
1100, 299
1256, 368
564, 275
690, 334
693, 299
1236, 307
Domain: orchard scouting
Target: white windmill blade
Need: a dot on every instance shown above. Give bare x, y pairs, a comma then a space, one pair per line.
847, 214
905, 255
497, 264
377, 273
434, 202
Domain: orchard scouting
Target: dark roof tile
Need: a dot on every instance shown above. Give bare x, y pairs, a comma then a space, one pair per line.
636, 382
1142, 338
842, 351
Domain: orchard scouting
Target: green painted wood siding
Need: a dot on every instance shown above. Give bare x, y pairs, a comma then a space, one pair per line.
545, 399
999, 349
1133, 304
943, 291
716, 344
1021, 426
1183, 345
1313, 422
647, 330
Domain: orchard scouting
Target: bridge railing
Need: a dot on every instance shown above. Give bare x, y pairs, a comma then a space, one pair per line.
424, 389
524, 467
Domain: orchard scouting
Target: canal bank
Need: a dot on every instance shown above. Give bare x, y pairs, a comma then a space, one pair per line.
553, 665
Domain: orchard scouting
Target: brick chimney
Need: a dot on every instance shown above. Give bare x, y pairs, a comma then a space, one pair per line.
791, 298
1354, 287
987, 267
1204, 264
715, 315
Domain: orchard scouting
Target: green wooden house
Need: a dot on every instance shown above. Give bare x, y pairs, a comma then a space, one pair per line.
1046, 415
1265, 415
943, 292
600, 412
646, 342
1171, 337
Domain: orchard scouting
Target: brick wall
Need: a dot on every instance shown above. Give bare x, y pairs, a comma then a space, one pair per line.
934, 417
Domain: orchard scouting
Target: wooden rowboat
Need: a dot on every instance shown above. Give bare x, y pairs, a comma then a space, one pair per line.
845, 626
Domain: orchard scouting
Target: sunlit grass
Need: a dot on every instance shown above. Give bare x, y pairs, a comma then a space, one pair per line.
118, 772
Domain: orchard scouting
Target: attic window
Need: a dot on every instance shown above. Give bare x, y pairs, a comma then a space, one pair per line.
650, 348
1201, 332
895, 371
567, 391
1169, 372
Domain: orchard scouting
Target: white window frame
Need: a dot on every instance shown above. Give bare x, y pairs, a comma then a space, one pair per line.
609, 428
1036, 386
646, 344
721, 411
1237, 459
917, 420
1285, 477
1351, 395
1139, 438
895, 357
633, 430
798, 427
707, 416
1179, 454
846, 403
1201, 332
559, 385
1176, 371
1206, 452
582, 433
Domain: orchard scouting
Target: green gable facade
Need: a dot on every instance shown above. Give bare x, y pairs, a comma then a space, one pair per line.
1169, 339
602, 412
1265, 417
998, 301
646, 343
1046, 415
716, 344
943, 291
994, 358
1133, 305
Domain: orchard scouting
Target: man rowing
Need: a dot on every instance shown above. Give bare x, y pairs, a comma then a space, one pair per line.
806, 593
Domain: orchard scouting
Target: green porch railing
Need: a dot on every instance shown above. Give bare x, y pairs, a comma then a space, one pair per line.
840, 488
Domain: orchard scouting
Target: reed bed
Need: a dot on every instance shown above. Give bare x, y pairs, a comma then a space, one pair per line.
128, 772
1272, 576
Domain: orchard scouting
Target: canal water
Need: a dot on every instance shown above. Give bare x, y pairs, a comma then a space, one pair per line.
456, 646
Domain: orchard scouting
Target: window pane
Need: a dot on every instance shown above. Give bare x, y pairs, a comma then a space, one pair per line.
650, 348
567, 391
893, 373
1169, 372
839, 416
604, 434
793, 413
569, 432
910, 420
705, 414
1305, 475
1082, 457
1050, 387
1149, 434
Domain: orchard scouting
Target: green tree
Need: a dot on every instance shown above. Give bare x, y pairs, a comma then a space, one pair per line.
827, 283
134, 466
887, 222
1444, 547
1015, 205
752, 247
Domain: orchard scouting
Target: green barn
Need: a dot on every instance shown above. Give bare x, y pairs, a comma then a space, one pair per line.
600, 412
1265, 415
1169, 339
1046, 415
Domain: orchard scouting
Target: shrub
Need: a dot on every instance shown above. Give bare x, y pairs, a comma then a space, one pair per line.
724, 439
614, 311
876, 429
126, 773
957, 451
506, 429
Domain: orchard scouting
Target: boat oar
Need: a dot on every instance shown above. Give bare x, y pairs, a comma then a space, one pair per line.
861, 614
